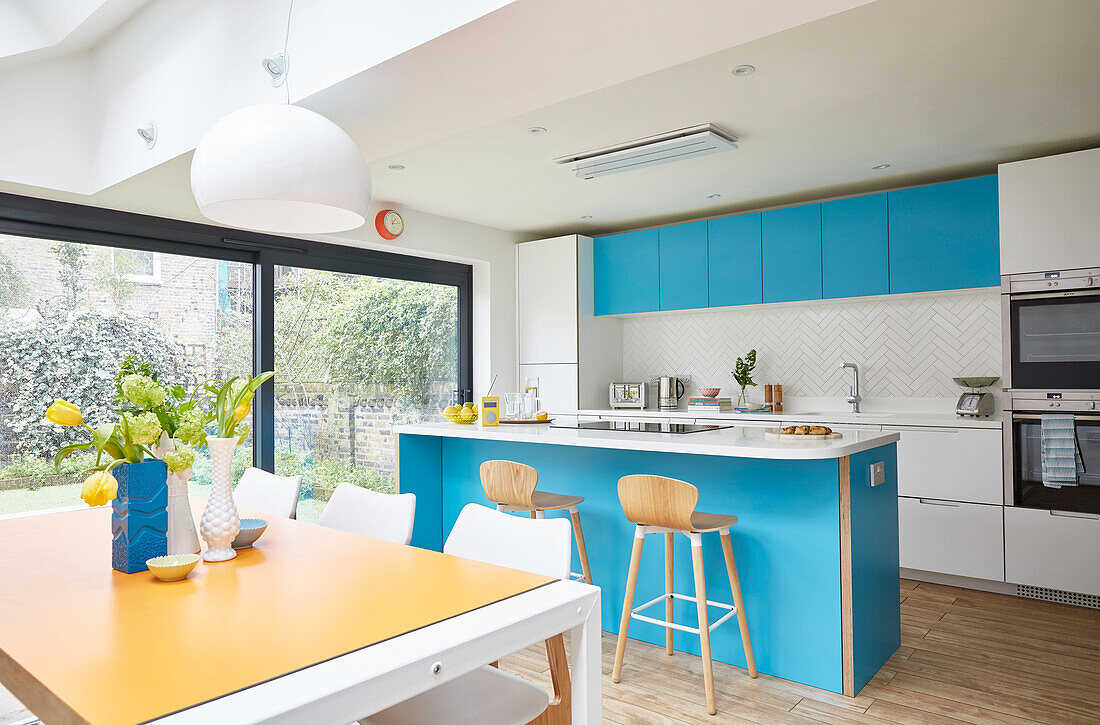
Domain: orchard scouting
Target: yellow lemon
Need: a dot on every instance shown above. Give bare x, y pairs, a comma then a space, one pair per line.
451, 410
468, 415
541, 415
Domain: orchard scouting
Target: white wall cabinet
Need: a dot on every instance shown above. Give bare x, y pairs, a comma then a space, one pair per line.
952, 464
951, 538
1049, 212
1052, 549
574, 354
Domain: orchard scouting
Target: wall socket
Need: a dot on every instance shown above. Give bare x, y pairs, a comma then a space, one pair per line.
878, 473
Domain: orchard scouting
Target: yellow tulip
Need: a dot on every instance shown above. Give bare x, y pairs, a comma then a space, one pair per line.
241, 412
99, 488
62, 412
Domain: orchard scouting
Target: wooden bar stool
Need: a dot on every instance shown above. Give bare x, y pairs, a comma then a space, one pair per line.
656, 504
511, 486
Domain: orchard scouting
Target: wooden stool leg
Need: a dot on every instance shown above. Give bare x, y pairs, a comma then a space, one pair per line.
534, 514
668, 590
581, 551
735, 586
704, 621
628, 603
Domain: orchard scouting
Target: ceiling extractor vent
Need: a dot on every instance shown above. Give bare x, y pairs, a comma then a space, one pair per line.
685, 143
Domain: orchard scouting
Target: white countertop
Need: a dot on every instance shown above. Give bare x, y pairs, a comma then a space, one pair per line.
738, 442
930, 420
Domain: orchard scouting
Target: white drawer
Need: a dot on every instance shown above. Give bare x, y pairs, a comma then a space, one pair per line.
1052, 549
951, 464
964, 539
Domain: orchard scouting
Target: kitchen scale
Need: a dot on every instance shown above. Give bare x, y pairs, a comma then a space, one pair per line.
975, 402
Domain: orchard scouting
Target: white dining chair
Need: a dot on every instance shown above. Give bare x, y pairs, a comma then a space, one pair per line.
488, 696
387, 516
262, 491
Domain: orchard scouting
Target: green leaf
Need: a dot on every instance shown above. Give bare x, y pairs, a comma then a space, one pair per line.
64, 453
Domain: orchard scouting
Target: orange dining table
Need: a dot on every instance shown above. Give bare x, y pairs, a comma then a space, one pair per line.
310, 625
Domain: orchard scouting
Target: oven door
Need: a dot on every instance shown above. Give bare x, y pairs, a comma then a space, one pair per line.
1055, 341
1027, 466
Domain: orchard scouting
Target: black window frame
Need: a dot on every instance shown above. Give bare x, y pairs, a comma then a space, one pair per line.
63, 221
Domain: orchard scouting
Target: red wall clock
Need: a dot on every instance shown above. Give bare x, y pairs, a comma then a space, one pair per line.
389, 224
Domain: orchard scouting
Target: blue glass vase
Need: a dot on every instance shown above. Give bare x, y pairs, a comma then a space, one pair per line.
139, 523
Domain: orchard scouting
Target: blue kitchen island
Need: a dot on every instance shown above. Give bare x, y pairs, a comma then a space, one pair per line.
816, 540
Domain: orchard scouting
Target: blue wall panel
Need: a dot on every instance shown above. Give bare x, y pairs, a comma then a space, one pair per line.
791, 243
683, 259
735, 276
421, 472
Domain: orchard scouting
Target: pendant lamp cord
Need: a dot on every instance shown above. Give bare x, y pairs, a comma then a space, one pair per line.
286, 41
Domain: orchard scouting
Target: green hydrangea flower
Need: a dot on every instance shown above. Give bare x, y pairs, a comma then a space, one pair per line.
180, 458
144, 428
191, 426
242, 431
142, 391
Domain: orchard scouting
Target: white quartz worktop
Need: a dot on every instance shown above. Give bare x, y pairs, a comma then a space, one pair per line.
921, 419
739, 442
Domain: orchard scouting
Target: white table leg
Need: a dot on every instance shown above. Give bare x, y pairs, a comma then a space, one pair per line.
584, 643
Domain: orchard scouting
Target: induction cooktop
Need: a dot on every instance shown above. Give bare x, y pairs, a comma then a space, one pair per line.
628, 427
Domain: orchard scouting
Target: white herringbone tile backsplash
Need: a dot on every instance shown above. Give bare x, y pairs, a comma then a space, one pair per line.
906, 346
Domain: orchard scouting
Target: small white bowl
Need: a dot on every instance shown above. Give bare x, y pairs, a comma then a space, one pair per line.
754, 406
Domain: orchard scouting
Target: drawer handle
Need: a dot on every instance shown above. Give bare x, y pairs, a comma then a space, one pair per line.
931, 502
1075, 515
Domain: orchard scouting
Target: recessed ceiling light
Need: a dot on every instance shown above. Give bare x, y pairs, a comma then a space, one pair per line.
396, 167
880, 167
536, 129
586, 217
713, 196
743, 70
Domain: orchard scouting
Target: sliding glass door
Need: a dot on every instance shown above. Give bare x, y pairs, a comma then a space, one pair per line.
356, 354
70, 312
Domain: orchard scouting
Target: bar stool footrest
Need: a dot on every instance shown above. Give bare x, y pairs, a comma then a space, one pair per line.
634, 613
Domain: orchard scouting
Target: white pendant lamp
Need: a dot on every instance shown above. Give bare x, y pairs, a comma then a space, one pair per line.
280, 168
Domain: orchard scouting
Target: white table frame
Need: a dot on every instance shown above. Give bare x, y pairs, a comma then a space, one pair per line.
361, 683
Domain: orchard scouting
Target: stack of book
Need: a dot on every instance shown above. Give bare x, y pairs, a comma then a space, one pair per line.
710, 405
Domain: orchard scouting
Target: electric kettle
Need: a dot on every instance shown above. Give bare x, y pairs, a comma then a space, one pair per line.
669, 392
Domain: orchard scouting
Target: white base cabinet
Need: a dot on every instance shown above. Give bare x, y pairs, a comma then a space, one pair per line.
950, 537
1053, 549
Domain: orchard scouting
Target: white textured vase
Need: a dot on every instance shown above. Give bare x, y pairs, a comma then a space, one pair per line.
182, 536
220, 522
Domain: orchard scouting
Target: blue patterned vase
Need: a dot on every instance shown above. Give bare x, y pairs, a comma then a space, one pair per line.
139, 524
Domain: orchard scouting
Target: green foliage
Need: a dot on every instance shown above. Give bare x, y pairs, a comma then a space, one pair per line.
742, 372
72, 354
13, 285
29, 465
110, 275
73, 259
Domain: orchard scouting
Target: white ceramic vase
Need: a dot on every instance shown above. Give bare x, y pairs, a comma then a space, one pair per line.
220, 523
182, 536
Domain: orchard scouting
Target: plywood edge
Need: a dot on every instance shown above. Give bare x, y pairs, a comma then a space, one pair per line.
35, 696
847, 642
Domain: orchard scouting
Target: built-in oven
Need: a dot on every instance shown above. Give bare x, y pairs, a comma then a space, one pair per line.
1051, 330
1023, 416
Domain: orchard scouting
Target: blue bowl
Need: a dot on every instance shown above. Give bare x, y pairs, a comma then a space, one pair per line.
250, 531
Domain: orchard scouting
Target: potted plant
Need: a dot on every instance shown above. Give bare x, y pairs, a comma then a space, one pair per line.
124, 475
229, 403
742, 374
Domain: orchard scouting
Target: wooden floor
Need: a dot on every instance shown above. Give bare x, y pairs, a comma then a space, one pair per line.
966, 656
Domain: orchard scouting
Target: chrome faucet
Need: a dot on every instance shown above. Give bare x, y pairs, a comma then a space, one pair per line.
853, 393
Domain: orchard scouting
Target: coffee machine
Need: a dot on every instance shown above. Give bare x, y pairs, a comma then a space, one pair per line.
669, 391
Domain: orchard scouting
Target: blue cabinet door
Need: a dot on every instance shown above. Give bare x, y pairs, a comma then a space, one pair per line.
682, 250
945, 236
791, 243
734, 260
625, 269
855, 248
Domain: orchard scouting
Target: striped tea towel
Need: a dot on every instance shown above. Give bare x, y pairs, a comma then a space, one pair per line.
1061, 456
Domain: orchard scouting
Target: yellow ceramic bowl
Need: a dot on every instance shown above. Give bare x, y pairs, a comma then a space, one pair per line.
173, 567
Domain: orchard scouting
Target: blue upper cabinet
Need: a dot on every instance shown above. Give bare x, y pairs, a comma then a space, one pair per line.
625, 272
855, 247
791, 243
945, 236
735, 274
683, 260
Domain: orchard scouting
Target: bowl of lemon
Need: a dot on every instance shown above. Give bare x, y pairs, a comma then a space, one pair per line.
463, 415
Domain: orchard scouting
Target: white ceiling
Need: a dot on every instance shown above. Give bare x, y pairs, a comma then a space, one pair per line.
936, 88
32, 30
